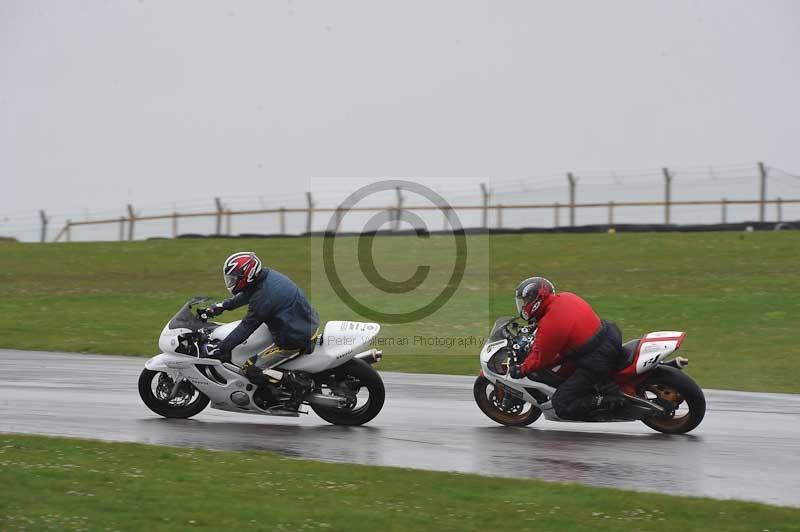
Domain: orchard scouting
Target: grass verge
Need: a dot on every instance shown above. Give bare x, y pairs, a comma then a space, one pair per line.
66, 484
735, 294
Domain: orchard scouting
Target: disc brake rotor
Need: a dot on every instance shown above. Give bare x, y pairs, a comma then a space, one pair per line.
164, 389
514, 409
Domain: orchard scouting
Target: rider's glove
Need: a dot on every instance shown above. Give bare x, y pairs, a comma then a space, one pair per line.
214, 310
213, 351
515, 372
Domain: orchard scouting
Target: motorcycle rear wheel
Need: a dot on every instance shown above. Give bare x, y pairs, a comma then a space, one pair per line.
679, 389
358, 374
487, 402
182, 406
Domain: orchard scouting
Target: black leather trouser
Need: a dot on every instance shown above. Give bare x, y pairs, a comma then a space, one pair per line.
576, 397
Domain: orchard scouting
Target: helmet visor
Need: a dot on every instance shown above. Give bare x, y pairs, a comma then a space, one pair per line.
521, 302
527, 306
230, 281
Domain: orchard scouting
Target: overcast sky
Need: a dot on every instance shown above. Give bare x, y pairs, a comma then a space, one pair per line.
152, 102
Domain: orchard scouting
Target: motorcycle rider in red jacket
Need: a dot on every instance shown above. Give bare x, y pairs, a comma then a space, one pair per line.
570, 334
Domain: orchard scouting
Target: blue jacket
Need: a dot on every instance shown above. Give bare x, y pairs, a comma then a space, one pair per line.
276, 300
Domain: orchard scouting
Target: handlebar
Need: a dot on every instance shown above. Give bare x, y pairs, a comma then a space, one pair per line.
520, 340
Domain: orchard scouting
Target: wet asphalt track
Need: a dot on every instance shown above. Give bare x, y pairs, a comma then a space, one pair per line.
748, 446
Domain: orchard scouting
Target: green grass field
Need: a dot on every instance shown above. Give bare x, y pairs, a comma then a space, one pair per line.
61, 484
735, 293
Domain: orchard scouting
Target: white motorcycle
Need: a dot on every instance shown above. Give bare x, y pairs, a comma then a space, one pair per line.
336, 380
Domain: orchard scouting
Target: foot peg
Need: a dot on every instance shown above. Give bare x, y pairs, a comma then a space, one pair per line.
273, 374
280, 410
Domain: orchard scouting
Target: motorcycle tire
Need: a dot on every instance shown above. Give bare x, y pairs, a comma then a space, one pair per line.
676, 386
367, 378
198, 403
488, 406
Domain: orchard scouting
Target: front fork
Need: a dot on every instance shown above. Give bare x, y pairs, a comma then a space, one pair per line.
174, 388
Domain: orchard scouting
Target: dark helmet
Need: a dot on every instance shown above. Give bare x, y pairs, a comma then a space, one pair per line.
241, 270
530, 294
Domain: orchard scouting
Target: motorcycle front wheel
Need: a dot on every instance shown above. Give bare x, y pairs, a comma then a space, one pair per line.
366, 385
155, 388
490, 404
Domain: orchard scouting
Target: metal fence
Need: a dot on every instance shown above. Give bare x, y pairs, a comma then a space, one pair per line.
492, 208
127, 225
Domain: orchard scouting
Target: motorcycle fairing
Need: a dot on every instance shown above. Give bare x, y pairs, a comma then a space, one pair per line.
491, 348
653, 348
522, 388
254, 344
191, 368
339, 342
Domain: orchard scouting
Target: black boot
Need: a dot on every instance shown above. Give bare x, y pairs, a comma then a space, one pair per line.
610, 401
610, 396
256, 376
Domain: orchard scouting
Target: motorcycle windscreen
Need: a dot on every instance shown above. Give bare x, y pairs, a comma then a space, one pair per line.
186, 319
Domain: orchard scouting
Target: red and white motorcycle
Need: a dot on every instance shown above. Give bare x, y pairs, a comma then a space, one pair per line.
658, 393
336, 380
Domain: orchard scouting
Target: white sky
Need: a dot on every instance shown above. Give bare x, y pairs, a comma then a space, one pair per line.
104, 103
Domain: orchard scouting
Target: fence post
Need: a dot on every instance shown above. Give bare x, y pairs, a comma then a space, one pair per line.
121, 228
779, 208
283, 220
44, 219
131, 221
338, 215
763, 171
218, 205
667, 193
724, 210
556, 213
174, 225
399, 209
485, 210
610, 213
228, 222
571, 180
310, 212
500, 216
69, 230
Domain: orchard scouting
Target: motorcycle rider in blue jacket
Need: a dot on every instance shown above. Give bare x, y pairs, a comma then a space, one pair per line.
273, 299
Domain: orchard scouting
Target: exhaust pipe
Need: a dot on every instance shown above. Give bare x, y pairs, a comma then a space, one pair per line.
678, 363
372, 356
330, 401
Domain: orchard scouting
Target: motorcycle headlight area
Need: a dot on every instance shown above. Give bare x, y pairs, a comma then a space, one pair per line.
498, 363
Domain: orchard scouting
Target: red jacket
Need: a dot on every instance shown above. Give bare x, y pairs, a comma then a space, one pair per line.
567, 322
